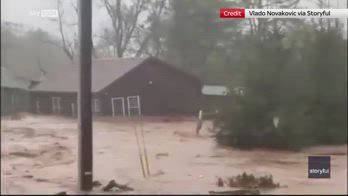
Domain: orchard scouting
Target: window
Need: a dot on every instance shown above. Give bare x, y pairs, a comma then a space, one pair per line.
37, 104
133, 105
56, 108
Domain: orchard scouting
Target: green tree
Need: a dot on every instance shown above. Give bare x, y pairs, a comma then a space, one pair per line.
298, 76
196, 34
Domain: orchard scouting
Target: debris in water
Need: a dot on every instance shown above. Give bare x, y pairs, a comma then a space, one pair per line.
250, 181
113, 183
158, 155
160, 172
236, 192
220, 182
23, 154
41, 180
109, 186
124, 187
61, 193
96, 183
27, 176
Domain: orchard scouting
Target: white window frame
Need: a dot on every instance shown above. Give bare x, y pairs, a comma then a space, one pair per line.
96, 106
113, 106
138, 105
37, 106
56, 109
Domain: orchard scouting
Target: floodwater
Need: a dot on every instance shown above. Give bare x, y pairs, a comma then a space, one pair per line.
39, 155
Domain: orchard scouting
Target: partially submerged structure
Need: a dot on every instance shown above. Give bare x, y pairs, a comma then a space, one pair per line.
120, 87
14, 92
214, 97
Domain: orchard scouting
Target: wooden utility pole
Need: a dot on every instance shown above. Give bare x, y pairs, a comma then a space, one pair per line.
84, 96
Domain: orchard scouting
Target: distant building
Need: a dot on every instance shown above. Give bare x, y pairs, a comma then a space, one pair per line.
216, 97
14, 93
120, 87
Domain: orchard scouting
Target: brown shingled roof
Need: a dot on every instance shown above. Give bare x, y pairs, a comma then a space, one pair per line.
104, 71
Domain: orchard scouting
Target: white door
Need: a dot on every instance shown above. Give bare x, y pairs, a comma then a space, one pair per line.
117, 104
134, 105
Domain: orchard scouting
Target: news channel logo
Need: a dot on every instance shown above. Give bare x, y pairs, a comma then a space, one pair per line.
45, 13
319, 167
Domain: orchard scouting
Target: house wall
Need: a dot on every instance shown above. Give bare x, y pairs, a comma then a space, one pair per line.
13, 101
45, 102
163, 90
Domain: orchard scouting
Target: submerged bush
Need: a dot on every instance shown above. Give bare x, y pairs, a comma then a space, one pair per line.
247, 128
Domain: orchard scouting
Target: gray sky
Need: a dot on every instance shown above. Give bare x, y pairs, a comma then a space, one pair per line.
19, 11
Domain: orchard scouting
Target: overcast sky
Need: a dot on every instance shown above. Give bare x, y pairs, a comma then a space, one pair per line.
18, 11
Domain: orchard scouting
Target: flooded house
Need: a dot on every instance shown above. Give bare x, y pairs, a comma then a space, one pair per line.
120, 87
14, 92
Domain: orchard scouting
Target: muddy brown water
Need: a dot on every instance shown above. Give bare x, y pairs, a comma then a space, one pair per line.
45, 148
